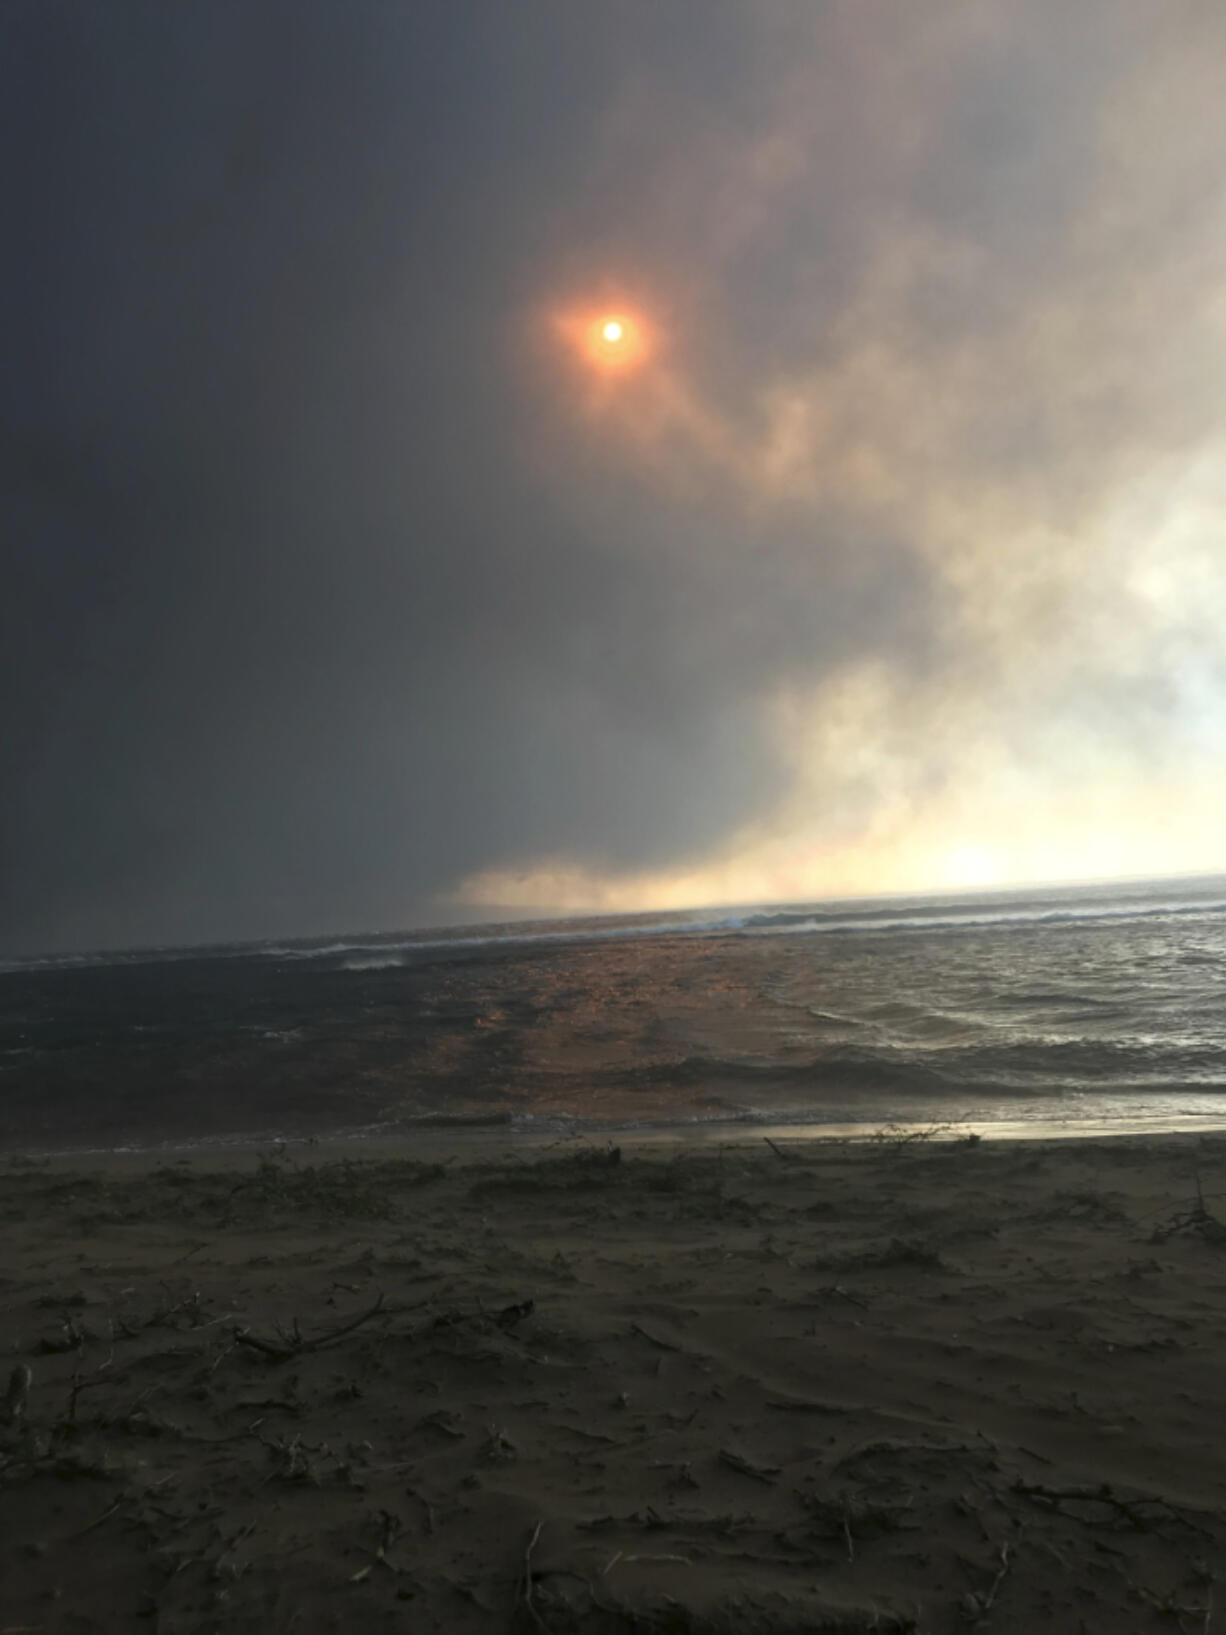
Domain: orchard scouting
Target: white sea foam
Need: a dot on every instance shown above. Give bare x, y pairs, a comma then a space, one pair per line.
984, 911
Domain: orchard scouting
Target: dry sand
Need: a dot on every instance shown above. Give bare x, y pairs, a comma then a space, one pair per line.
888, 1386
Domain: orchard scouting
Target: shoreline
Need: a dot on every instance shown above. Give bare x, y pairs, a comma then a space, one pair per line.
904, 1384
461, 1139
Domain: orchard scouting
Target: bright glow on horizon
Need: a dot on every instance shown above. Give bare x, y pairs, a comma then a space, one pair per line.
966, 867
1051, 841
612, 330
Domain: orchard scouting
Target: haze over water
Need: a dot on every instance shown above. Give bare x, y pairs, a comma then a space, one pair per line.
1095, 1003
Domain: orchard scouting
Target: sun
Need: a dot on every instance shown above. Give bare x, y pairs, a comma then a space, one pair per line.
610, 341
615, 342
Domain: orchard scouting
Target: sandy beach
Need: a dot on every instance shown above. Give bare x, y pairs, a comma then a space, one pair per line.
894, 1385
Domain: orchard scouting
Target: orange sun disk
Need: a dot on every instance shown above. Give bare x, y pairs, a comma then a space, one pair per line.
606, 342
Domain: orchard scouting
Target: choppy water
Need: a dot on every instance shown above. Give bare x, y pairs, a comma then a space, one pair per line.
1103, 1003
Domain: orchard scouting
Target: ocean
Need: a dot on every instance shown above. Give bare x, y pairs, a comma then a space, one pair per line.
1089, 1008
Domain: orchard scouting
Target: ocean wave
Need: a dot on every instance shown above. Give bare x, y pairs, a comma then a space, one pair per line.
456, 1121
504, 939
765, 925
361, 951
1025, 1067
851, 1069
379, 947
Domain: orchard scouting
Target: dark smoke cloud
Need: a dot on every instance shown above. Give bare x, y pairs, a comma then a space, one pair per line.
323, 594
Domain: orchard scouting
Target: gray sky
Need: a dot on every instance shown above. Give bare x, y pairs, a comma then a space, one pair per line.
351, 579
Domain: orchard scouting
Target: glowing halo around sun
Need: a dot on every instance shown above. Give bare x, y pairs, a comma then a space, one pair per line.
615, 342
607, 340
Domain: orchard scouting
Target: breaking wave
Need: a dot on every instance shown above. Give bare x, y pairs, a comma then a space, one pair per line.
1050, 908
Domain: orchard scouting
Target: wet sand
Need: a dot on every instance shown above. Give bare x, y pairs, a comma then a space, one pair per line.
901, 1385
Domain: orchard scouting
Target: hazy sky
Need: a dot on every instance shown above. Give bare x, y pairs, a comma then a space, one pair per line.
350, 579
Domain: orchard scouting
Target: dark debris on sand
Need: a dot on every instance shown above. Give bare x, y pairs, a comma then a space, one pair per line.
922, 1387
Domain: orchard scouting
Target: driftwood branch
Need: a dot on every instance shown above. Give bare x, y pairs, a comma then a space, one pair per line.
525, 1597
737, 1462
977, 1605
1141, 1512
296, 1344
654, 1339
